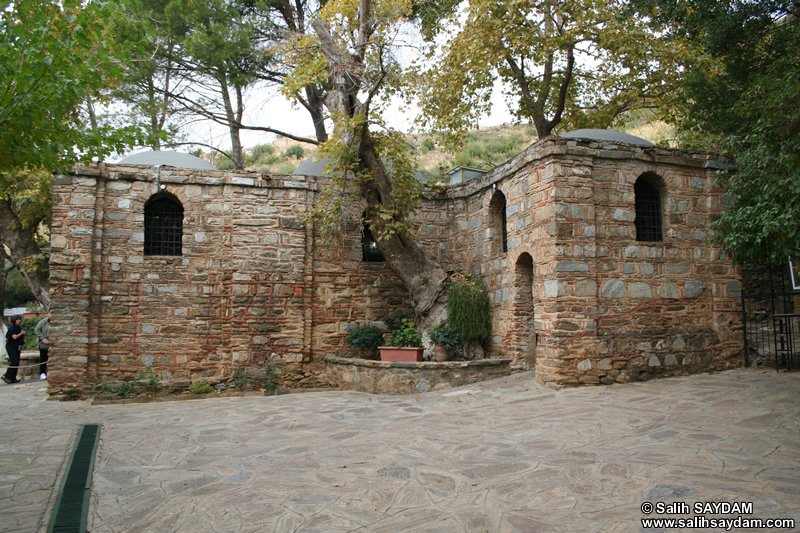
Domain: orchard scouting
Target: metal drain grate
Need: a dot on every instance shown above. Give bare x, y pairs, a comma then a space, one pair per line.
72, 504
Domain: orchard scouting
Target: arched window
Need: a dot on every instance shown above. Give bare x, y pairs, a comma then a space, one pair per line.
498, 209
648, 210
163, 226
369, 248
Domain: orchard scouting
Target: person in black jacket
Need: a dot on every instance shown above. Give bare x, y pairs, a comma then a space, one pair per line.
15, 338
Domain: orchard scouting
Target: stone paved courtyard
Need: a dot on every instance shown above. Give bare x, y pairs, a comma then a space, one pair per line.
500, 456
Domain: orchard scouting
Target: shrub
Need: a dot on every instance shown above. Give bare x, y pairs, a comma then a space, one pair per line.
259, 154
295, 151
447, 337
17, 292
224, 163
240, 380
468, 307
287, 168
365, 338
201, 387
270, 378
29, 324
406, 336
150, 378
123, 389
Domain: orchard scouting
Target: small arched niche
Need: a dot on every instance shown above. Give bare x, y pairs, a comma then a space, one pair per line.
524, 336
497, 208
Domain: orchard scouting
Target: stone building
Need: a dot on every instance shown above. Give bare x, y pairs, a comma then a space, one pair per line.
594, 247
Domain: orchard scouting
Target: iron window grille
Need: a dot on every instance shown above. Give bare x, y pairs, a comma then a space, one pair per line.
648, 212
163, 227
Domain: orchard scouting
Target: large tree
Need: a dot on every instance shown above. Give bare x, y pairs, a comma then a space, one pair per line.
354, 44
206, 58
55, 55
153, 72
748, 107
576, 63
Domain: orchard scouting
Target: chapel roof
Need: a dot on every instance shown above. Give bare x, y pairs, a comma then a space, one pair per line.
607, 135
167, 158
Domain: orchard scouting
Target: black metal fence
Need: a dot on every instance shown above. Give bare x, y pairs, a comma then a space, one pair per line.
771, 321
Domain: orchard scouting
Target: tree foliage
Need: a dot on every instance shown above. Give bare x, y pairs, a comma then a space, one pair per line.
763, 220
204, 59
354, 47
750, 108
56, 58
576, 63
153, 73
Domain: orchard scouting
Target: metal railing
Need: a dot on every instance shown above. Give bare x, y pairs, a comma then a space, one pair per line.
771, 329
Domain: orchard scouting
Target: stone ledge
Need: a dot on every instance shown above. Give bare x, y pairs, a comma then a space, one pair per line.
385, 377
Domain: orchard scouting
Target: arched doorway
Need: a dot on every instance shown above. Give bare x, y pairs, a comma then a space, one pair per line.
524, 336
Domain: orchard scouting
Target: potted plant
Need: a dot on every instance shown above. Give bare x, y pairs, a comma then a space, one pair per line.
447, 342
405, 343
365, 340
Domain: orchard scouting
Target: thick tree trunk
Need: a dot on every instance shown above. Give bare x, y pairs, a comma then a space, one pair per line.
22, 249
425, 280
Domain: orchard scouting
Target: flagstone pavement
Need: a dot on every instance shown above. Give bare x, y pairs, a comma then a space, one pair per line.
500, 456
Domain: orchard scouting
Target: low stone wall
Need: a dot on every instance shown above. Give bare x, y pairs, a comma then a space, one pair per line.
383, 377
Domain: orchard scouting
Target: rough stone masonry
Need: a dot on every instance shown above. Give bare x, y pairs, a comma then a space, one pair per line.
552, 232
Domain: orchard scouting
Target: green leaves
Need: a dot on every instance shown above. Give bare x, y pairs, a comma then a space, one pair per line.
562, 64
468, 307
54, 56
748, 104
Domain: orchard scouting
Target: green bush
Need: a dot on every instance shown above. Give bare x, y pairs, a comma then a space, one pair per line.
17, 293
468, 307
447, 337
201, 387
123, 389
224, 163
29, 324
259, 154
240, 380
287, 168
269, 383
365, 338
145, 379
295, 151
463, 159
406, 336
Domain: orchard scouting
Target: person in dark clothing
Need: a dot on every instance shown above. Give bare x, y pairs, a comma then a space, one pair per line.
15, 338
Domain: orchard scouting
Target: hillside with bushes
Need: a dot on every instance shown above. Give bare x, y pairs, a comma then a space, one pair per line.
483, 148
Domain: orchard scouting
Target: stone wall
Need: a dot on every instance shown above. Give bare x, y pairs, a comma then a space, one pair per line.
574, 295
251, 285
384, 377
607, 307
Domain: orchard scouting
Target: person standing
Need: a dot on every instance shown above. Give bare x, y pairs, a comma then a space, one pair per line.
15, 338
42, 332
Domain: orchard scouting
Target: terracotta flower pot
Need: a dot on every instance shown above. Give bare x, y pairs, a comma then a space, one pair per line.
395, 354
368, 354
440, 354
